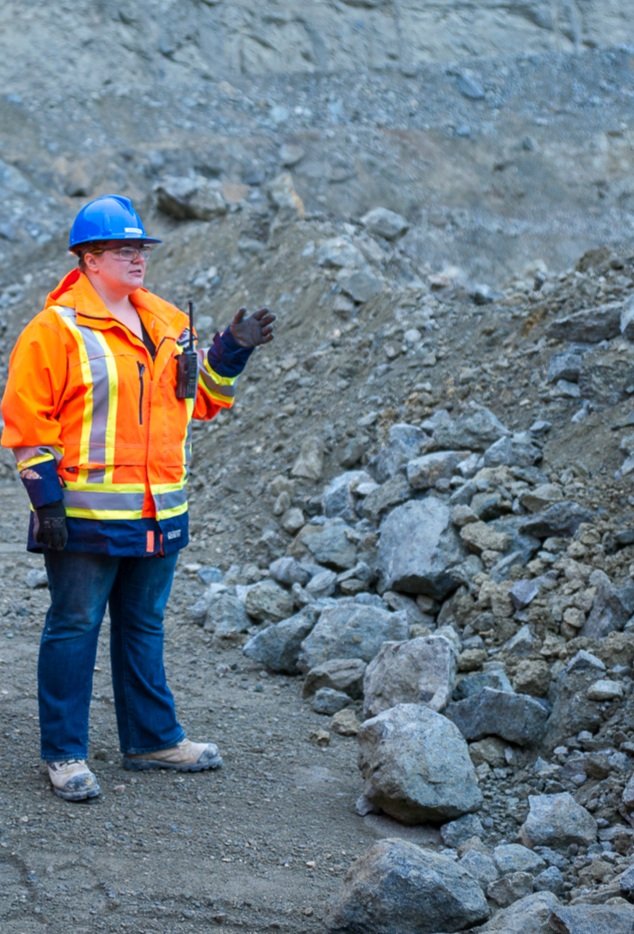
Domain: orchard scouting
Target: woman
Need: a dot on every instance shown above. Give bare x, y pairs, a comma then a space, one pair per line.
102, 386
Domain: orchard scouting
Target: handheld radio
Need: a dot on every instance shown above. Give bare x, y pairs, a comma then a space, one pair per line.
187, 362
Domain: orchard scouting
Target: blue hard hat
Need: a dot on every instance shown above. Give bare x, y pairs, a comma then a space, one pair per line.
110, 217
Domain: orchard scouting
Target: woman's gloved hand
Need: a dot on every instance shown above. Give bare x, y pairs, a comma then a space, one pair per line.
51, 530
254, 330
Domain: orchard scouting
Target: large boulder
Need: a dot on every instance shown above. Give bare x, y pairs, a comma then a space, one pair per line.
277, 646
557, 821
518, 718
351, 630
396, 887
419, 547
420, 671
416, 765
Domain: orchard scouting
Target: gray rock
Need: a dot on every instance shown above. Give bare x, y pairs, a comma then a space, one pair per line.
513, 857
277, 647
328, 701
541, 496
478, 864
191, 198
606, 689
404, 443
529, 915
338, 498
416, 765
266, 601
605, 383
309, 464
572, 711
557, 821
418, 548
392, 493
523, 592
385, 223
523, 643
225, 615
470, 87
289, 571
331, 542
473, 430
584, 661
350, 630
420, 671
284, 197
550, 879
510, 888
626, 883
360, 284
339, 253
562, 518
396, 887
593, 919
518, 718
628, 795
589, 326
518, 449
565, 365
464, 828
493, 676
340, 674
609, 611
424, 472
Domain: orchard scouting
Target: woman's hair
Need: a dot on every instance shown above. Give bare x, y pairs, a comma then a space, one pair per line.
83, 248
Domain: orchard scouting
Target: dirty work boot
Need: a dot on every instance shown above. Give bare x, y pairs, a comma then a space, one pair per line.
72, 780
185, 757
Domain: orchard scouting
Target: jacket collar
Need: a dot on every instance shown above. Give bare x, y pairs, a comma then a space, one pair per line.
75, 290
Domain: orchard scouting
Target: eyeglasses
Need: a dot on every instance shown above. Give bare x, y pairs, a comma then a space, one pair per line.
125, 253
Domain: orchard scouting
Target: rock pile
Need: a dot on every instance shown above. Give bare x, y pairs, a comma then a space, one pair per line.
465, 608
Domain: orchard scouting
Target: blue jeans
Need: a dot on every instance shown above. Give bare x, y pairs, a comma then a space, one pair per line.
136, 591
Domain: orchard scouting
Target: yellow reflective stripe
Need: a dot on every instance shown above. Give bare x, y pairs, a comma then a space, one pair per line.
170, 513
86, 375
104, 513
162, 488
73, 485
32, 461
217, 378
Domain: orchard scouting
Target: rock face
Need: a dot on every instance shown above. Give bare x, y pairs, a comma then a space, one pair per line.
416, 765
398, 888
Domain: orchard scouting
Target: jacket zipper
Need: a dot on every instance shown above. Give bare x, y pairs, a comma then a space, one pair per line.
141, 367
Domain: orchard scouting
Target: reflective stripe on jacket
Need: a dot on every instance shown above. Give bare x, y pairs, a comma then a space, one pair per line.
88, 406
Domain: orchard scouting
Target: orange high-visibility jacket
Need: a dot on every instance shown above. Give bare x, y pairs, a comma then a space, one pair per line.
91, 413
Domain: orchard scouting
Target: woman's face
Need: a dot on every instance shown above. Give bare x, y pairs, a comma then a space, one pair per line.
118, 265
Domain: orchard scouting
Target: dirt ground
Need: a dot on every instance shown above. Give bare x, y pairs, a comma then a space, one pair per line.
261, 845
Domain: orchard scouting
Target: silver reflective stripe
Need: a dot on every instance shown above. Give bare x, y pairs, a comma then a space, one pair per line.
101, 391
170, 500
103, 500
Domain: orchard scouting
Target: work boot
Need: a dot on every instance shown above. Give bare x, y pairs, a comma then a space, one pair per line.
72, 780
184, 757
